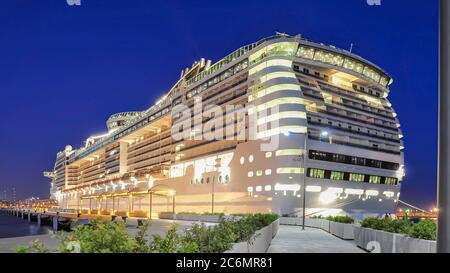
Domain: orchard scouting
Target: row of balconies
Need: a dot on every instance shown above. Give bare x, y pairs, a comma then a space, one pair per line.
353, 128
355, 142
350, 104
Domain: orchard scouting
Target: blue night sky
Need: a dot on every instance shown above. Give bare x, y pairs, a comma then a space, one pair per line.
64, 69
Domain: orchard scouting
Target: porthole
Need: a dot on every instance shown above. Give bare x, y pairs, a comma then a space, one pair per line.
250, 158
242, 160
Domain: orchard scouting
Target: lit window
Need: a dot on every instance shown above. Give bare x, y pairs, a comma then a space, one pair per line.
250, 174
356, 177
313, 188
375, 179
268, 188
289, 170
259, 173
242, 160
274, 62
337, 175
317, 173
354, 191
268, 172
372, 193
258, 188
390, 181
250, 158
268, 154
289, 152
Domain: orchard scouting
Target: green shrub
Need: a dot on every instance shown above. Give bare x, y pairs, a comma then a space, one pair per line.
341, 219
35, 245
374, 223
242, 228
172, 243
214, 239
425, 229
397, 226
22, 249
99, 236
142, 242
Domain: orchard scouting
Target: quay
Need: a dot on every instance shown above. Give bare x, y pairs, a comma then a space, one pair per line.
65, 219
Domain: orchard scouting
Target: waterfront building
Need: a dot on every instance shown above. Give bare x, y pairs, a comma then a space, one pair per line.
299, 118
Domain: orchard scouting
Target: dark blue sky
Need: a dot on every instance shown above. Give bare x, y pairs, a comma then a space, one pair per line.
64, 69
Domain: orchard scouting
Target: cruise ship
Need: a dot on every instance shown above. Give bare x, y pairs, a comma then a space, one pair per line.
272, 126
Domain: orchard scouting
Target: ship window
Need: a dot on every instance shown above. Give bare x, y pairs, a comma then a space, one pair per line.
316, 173
337, 175
375, 179
390, 181
356, 177
250, 158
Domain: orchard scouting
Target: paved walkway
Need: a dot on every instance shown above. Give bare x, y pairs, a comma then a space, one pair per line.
291, 239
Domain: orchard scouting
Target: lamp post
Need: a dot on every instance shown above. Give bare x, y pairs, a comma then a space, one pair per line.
443, 234
217, 167
304, 175
304, 181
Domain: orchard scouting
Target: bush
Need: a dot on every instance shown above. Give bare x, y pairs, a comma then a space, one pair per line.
172, 243
374, 223
341, 219
425, 229
397, 226
99, 236
213, 239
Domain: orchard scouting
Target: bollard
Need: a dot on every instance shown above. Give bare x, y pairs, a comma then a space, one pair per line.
55, 223
29, 217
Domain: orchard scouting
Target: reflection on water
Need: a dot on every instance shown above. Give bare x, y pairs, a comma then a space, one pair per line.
12, 226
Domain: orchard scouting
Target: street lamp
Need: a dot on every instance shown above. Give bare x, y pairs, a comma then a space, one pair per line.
217, 166
305, 154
